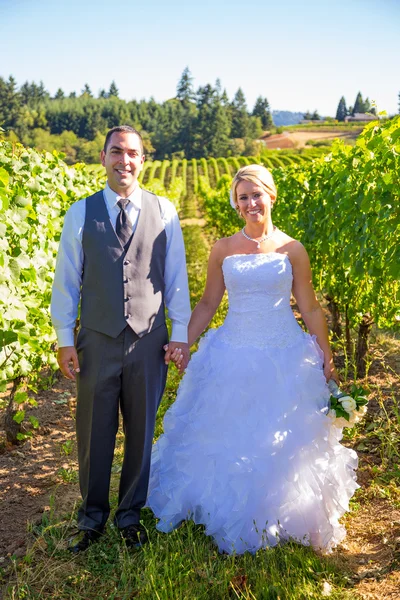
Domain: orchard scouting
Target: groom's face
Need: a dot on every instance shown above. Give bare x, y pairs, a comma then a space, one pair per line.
123, 160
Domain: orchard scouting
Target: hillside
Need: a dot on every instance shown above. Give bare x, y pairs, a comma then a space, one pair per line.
286, 117
299, 138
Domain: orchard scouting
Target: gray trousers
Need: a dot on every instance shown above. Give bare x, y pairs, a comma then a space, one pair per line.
127, 372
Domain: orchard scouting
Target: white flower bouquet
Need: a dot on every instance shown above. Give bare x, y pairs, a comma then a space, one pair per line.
345, 409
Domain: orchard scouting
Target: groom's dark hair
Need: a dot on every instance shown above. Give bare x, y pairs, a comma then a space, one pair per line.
123, 129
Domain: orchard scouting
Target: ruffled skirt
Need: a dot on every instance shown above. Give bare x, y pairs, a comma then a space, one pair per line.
249, 452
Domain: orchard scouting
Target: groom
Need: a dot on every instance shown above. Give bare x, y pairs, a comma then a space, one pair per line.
121, 258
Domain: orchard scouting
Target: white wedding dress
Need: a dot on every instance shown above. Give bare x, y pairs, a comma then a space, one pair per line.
248, 450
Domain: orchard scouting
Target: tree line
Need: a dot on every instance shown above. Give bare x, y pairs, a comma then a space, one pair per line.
193, 124
360, 106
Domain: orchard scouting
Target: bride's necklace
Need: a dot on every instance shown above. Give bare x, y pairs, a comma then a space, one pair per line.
261, 240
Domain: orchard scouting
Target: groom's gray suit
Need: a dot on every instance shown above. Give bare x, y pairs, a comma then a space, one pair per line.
122, 291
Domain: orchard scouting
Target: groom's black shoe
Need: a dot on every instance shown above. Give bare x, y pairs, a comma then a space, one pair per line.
87, 538
134, 535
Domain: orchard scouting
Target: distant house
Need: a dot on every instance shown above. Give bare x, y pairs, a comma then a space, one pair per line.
360, 117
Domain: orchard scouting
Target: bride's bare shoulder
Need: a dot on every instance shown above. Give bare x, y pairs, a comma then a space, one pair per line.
224, 247
290, 246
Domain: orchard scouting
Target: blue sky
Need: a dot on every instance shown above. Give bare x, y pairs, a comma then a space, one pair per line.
299, 54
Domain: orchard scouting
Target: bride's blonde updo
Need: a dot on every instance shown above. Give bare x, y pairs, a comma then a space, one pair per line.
256, 174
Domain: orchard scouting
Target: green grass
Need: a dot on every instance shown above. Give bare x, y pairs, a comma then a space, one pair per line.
180, 565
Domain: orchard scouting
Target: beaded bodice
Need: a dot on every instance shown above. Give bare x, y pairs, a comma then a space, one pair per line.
259, 288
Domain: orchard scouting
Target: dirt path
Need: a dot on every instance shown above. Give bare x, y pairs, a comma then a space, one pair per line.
31, 472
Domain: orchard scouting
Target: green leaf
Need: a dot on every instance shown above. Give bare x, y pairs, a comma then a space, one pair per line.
7, 338
4, 177
20, 397
23, 201
24, 436
362, 447
19, 416
34, 422
14, 268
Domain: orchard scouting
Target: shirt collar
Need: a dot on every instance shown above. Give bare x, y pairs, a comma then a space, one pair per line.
112, 197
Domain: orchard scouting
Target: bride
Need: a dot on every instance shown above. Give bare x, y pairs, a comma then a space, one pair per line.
248, 450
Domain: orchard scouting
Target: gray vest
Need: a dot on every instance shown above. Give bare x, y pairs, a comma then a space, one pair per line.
123, 287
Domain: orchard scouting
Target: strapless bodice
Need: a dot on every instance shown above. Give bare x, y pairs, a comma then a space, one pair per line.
259, 288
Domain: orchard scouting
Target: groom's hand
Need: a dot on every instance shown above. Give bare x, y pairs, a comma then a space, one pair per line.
178, 353
66, 356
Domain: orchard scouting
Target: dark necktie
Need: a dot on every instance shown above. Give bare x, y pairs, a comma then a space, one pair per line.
123, 226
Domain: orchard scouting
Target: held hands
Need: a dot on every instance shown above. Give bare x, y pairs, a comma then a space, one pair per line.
178, 353
66, 356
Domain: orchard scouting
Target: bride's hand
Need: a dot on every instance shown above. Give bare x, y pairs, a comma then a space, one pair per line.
178, 354
330, 371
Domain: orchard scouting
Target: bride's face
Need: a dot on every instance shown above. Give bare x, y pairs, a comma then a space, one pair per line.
253, 201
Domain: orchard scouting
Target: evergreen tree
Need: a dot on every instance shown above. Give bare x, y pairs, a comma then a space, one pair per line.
262, 110
240, 117
42, 93
212, 125
87, 91
102, 93
218, 88
315, 116
32, 94
255, 128
341, 111
59, 94
184, 89
307, 116
225, 98
166, 134
28, 93
358, 105
10, 103
368, 108
222, 128
113, 91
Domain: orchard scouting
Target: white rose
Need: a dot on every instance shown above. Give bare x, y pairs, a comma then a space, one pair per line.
348, 403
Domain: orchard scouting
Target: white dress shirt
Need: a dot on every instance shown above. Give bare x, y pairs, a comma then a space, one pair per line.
68, 274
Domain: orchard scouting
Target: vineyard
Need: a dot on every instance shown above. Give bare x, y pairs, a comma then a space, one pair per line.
344, 207
188, 173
